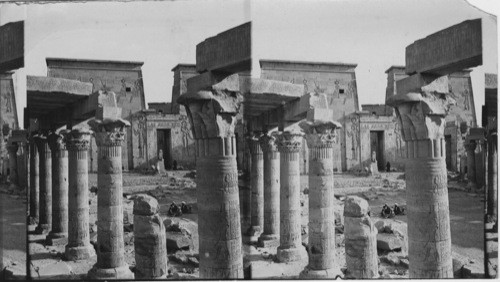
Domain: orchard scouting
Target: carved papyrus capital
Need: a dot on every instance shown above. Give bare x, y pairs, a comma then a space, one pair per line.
57, 141
422, 115
109, 132
12, 148
320, 134
254, 143
289, 141
470, 146
268, 143
78, 139
212, 112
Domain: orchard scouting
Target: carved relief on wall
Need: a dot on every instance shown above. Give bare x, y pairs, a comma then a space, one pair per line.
186, 134
353, 133
140, 133
399, 140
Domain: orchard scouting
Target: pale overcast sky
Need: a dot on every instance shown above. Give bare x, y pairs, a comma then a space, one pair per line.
370, 33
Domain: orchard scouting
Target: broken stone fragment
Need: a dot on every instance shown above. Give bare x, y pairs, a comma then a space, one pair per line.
145, 205
177, 241
388, 242
356, 207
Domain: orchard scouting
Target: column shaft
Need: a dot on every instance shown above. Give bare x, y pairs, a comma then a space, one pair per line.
257, 187
13, 177
45, 174
270, 236
59, 232
78, 247
34, 183
471, 161
218, 209
290, 219
429, 238
492, 203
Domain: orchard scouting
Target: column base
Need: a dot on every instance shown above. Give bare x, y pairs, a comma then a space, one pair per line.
43, 229
79, 253
57, 239
291, 254
332, 273
269, 240
254, 231
32, 221
121, 272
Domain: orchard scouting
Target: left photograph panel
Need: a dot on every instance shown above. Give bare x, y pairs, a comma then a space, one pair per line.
14, 145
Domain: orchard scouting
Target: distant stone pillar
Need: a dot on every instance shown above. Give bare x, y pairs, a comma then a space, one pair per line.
13, 177
271, 235
492, 201
470, 147
257, 187
34, 183
360, 240
150, 242
45, 174
320, 137
78, 247
212, 114
109, 136
422, 116
289, 145
59, 233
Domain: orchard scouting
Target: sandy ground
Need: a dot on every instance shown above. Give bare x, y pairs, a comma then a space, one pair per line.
13, 234
466, 219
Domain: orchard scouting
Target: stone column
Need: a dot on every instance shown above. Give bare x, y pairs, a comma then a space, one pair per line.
78, 247
212, 114
257, 187
150, 242
360, 240
320, 137
422, 115
34, 183
45, 174
492, 201
290, 248
13, 177
109, 136
271, 235
470, 147
59, 233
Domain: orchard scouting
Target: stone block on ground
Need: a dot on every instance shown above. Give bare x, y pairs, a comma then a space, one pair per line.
268, 269
388, 242
177, 241
355, 207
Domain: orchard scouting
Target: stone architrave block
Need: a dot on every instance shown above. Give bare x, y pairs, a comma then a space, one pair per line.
449, 50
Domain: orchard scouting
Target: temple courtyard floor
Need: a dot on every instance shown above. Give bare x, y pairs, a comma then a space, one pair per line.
466, 216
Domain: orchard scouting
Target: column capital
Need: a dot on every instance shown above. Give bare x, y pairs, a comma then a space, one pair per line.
12, 147
319, 133
289, 141
213, 111
78, 139
268, 143
57, 140
421, 114
109, 132
254, 143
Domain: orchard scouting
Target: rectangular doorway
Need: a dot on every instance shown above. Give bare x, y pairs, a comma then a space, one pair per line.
377, 146
447, 140
164, 144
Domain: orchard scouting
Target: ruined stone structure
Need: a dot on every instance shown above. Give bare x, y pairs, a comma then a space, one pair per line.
320, 136
149, 239
360, 240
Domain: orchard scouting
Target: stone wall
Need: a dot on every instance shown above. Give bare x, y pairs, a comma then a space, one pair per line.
8, 117
123, 78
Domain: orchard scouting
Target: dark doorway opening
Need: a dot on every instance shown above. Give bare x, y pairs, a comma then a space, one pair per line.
447, 140
165, 144
377, 146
